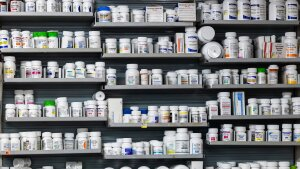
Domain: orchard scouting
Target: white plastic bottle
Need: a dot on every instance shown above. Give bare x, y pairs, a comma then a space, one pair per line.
169, 142
245, 47
132, 75
292, 10
67, 6
196, 144
244, 10
67, 39
51, 6
191, 40
9, 66
231, 45
229, 10
182, 143
258, 9
290, 45
277, 10
80, 41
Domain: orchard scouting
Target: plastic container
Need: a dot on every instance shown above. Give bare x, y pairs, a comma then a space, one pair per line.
132, 75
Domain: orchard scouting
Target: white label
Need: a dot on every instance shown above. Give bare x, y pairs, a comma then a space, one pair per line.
182, 146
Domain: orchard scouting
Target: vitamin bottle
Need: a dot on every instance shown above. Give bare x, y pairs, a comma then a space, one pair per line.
231, 45
124, 13
53, 39
292, 12
296, 105
191, 40
277, 10
290, 45
243, 10
90, 108
127, 146
261, 76
132, 75
196, 144
4, 39
229, 10
252, 107
290, 75
202, 114
49, 109
194, 115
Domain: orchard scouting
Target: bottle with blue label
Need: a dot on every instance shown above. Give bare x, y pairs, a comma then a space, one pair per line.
191, 40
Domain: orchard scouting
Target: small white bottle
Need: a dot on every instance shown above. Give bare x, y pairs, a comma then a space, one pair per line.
111, 77
67, 39
290, 45
156, 77
231, 45
90, 71
87, 6
252, 107
275, 107
144, 77
292, 13
243, 10
67, 6
132, 75
196, 144
51, 6
80, 41
77, 6
224, 103
229, 10
191, 40
15, 144
258, 9
9, 66
277, 10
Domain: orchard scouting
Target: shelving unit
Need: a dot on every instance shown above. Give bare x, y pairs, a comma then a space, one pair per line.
151, 87
250, 23
222, 61
143, 25
50, 50
260, 117
50, 152
56, 119
156, 157
153, 56
255, 86
157, 125
246, 143
22, 81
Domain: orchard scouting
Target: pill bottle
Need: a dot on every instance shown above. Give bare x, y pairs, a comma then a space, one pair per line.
196, 144
31, 141
95, 140
138, 15
111, 76
243, 10
144, 77
290, 74
41, 6
174, 114
67, 39
104, 14
286, 132
285, 108
4, 39
94, 39
252, 76
16, 39
252, 107
227, 132
62, 108
275, 107
69, 70
126, 116
212, 135
19, 97
82, 141
264, 108
77, 6
240, 133
206, 12
171, 78
212, 108
124, 45
229, 10
42, 40
150, 45
87, 6
136, 117
224, 103
183, 114
36, 69
170, 15
102, 108
292, 12
124, 13
67, 6
80, 39
169, 142
156, 77
90, 108
191, 40
296, 133
273, 133
163, 46
111, 45
80, 71
26, 39
290, 45
273, 74
127, 146
183, 77
100, 70
76, 109
107, 149
115, 14
57, 141
206, 34
277, 10
245, 47
231, 45
49, 109
5, 142
164, 114
52, 69
22, 110
157, 147
225, 76
90, 71
251, 132
296, 105
216, 12
211, 79
69, 143
258, 9
53, 39
116, 149
153, 114
142, 45
261, 76
16, 6
15, 144
194, 115
51, 6
10, 111
202, 114
9, 67
33, 110
132, 75
259, 133
182, 141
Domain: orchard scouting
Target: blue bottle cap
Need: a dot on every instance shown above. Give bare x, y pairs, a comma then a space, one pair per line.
144, 111
126, 111
103, 8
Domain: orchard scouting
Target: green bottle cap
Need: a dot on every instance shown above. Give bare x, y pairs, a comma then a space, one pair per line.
49, 103
293, 167
263, 70
43, 34
35, 34
52, 34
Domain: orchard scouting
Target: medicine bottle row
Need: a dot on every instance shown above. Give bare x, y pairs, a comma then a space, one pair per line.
279, 10
34, 69
32, 140
253, 76
56, 108
257, 133
122, 13
48, 6
180, 141
49, 39
165, 114
180, 166
253, 165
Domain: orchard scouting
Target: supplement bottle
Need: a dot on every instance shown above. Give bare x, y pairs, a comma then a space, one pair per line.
229, 10
95, 140
19, 97
196, 144
124, 45
33, 110
22, 110
144, 77
100, 70
124, 13
264, 108
212, 108
104, 14
193, 76
82, 141
183, 78
202, 114
53, 39
26, 39
80, 71
69, 143
275, 107
296, 105
191, 40
261, 76
194, 115
164, 116
205, 12
277, 10
127, 146
15, 144
102, 108
142, 45
5, 142
90, 71
132, 75
36, 69
290, 75
47, 142
244, 10
292, 10
69, 70
76, 109
182, 141
4, 39
259, 133
231, 45
49, 109
90, 108
169, 142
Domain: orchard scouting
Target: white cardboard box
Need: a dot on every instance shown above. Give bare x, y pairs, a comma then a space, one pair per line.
187, 12
115, 110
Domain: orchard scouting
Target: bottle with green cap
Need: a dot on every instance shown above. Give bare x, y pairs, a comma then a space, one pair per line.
35, 36
53, 39
42, 40
261, 76
49, 109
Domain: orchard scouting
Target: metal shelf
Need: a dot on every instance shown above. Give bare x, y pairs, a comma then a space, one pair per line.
222, 61
181, 156
153, 56
151, 87
54, 80
252, 143
50, 152
157, 125
56, 119
46, 16
141, 24
51, 50
250, 23
255, 86
261, 117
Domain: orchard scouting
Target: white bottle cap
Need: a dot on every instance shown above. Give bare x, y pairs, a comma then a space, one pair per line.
79, 33
273, 127
286, 126
94, 33
111, 71
59, 135
132, 66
